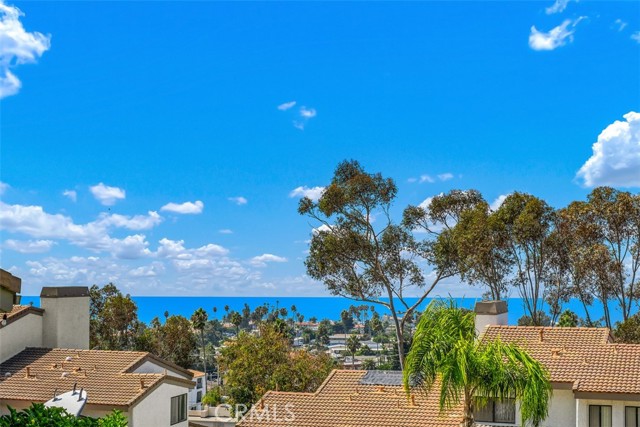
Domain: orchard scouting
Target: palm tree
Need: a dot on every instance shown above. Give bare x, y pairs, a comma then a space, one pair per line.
199, 320
447, 355
353, 344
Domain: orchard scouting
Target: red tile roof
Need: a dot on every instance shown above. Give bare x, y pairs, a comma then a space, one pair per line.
342, 401
587, 358
35, 373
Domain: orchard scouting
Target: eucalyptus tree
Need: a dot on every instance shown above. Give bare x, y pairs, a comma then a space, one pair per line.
447, 356
358, 251
483, 254
617, 216
527, 223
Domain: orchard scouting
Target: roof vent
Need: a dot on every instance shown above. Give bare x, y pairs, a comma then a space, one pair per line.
64, 375
28, 374
541, 335
7, 374
555, 353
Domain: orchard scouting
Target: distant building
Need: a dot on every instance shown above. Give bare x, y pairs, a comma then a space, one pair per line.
45, 351
198, 391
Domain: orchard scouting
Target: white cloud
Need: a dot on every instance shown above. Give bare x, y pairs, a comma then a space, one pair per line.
616, 155
323, 227
426, 202
175, 249
262, 260
225, 231
636, 36
558, 7
239, 200
106, 195
446, 176
495, 205
131, 247
71, 194
34, 222
136, 222
557, 37
184, 208
287, 105
29, 246
314, 193
620, 24
17, 47
3, 187
307, 113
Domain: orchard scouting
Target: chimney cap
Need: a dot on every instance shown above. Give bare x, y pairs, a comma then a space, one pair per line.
64, 292
10, 282
491, 307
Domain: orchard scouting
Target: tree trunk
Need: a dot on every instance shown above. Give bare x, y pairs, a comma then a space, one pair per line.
204, 360
399, 331
467, 419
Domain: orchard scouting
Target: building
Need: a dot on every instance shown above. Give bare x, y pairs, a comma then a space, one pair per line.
596, 383
198, 391
45, 352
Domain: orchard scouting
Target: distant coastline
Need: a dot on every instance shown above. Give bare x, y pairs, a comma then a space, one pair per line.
319, 307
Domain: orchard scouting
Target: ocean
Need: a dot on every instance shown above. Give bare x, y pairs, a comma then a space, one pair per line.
320, 307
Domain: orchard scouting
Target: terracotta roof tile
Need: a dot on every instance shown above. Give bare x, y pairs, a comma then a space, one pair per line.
18, 311
585, 357
35, 373
342, 401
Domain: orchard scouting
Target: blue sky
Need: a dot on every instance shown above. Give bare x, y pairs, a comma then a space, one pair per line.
133, 109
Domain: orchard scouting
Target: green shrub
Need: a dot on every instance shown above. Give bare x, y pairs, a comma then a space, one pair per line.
40, 416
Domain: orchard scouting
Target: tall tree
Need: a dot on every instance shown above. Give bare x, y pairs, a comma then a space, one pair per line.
483, 255
199, 321
359, 252
353, 344
617, 215
446, 354
113, 319
177, 342
527, 222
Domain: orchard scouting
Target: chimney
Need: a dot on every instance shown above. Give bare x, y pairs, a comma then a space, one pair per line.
10, 287
490, 313
66, 317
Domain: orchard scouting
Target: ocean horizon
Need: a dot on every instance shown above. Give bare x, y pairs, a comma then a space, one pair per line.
320, 307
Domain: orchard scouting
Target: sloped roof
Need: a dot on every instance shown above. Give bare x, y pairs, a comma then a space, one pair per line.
587, 358
344, 401
18, 311
106, 376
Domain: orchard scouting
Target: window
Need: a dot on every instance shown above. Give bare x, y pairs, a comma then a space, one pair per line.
199, 397
199, 383
632, 416
497, 411
178, 409
599, 416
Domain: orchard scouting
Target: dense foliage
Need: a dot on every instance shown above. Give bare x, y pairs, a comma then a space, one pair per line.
39, 416
447, 355
254, 364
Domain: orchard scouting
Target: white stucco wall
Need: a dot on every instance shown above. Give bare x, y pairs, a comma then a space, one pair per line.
66, 322
617, 410
155, 409
562, 410
149, 367
24, 332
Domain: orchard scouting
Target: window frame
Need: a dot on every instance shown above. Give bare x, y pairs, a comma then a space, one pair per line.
637, 408
492, 405
181, 408
600, 413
